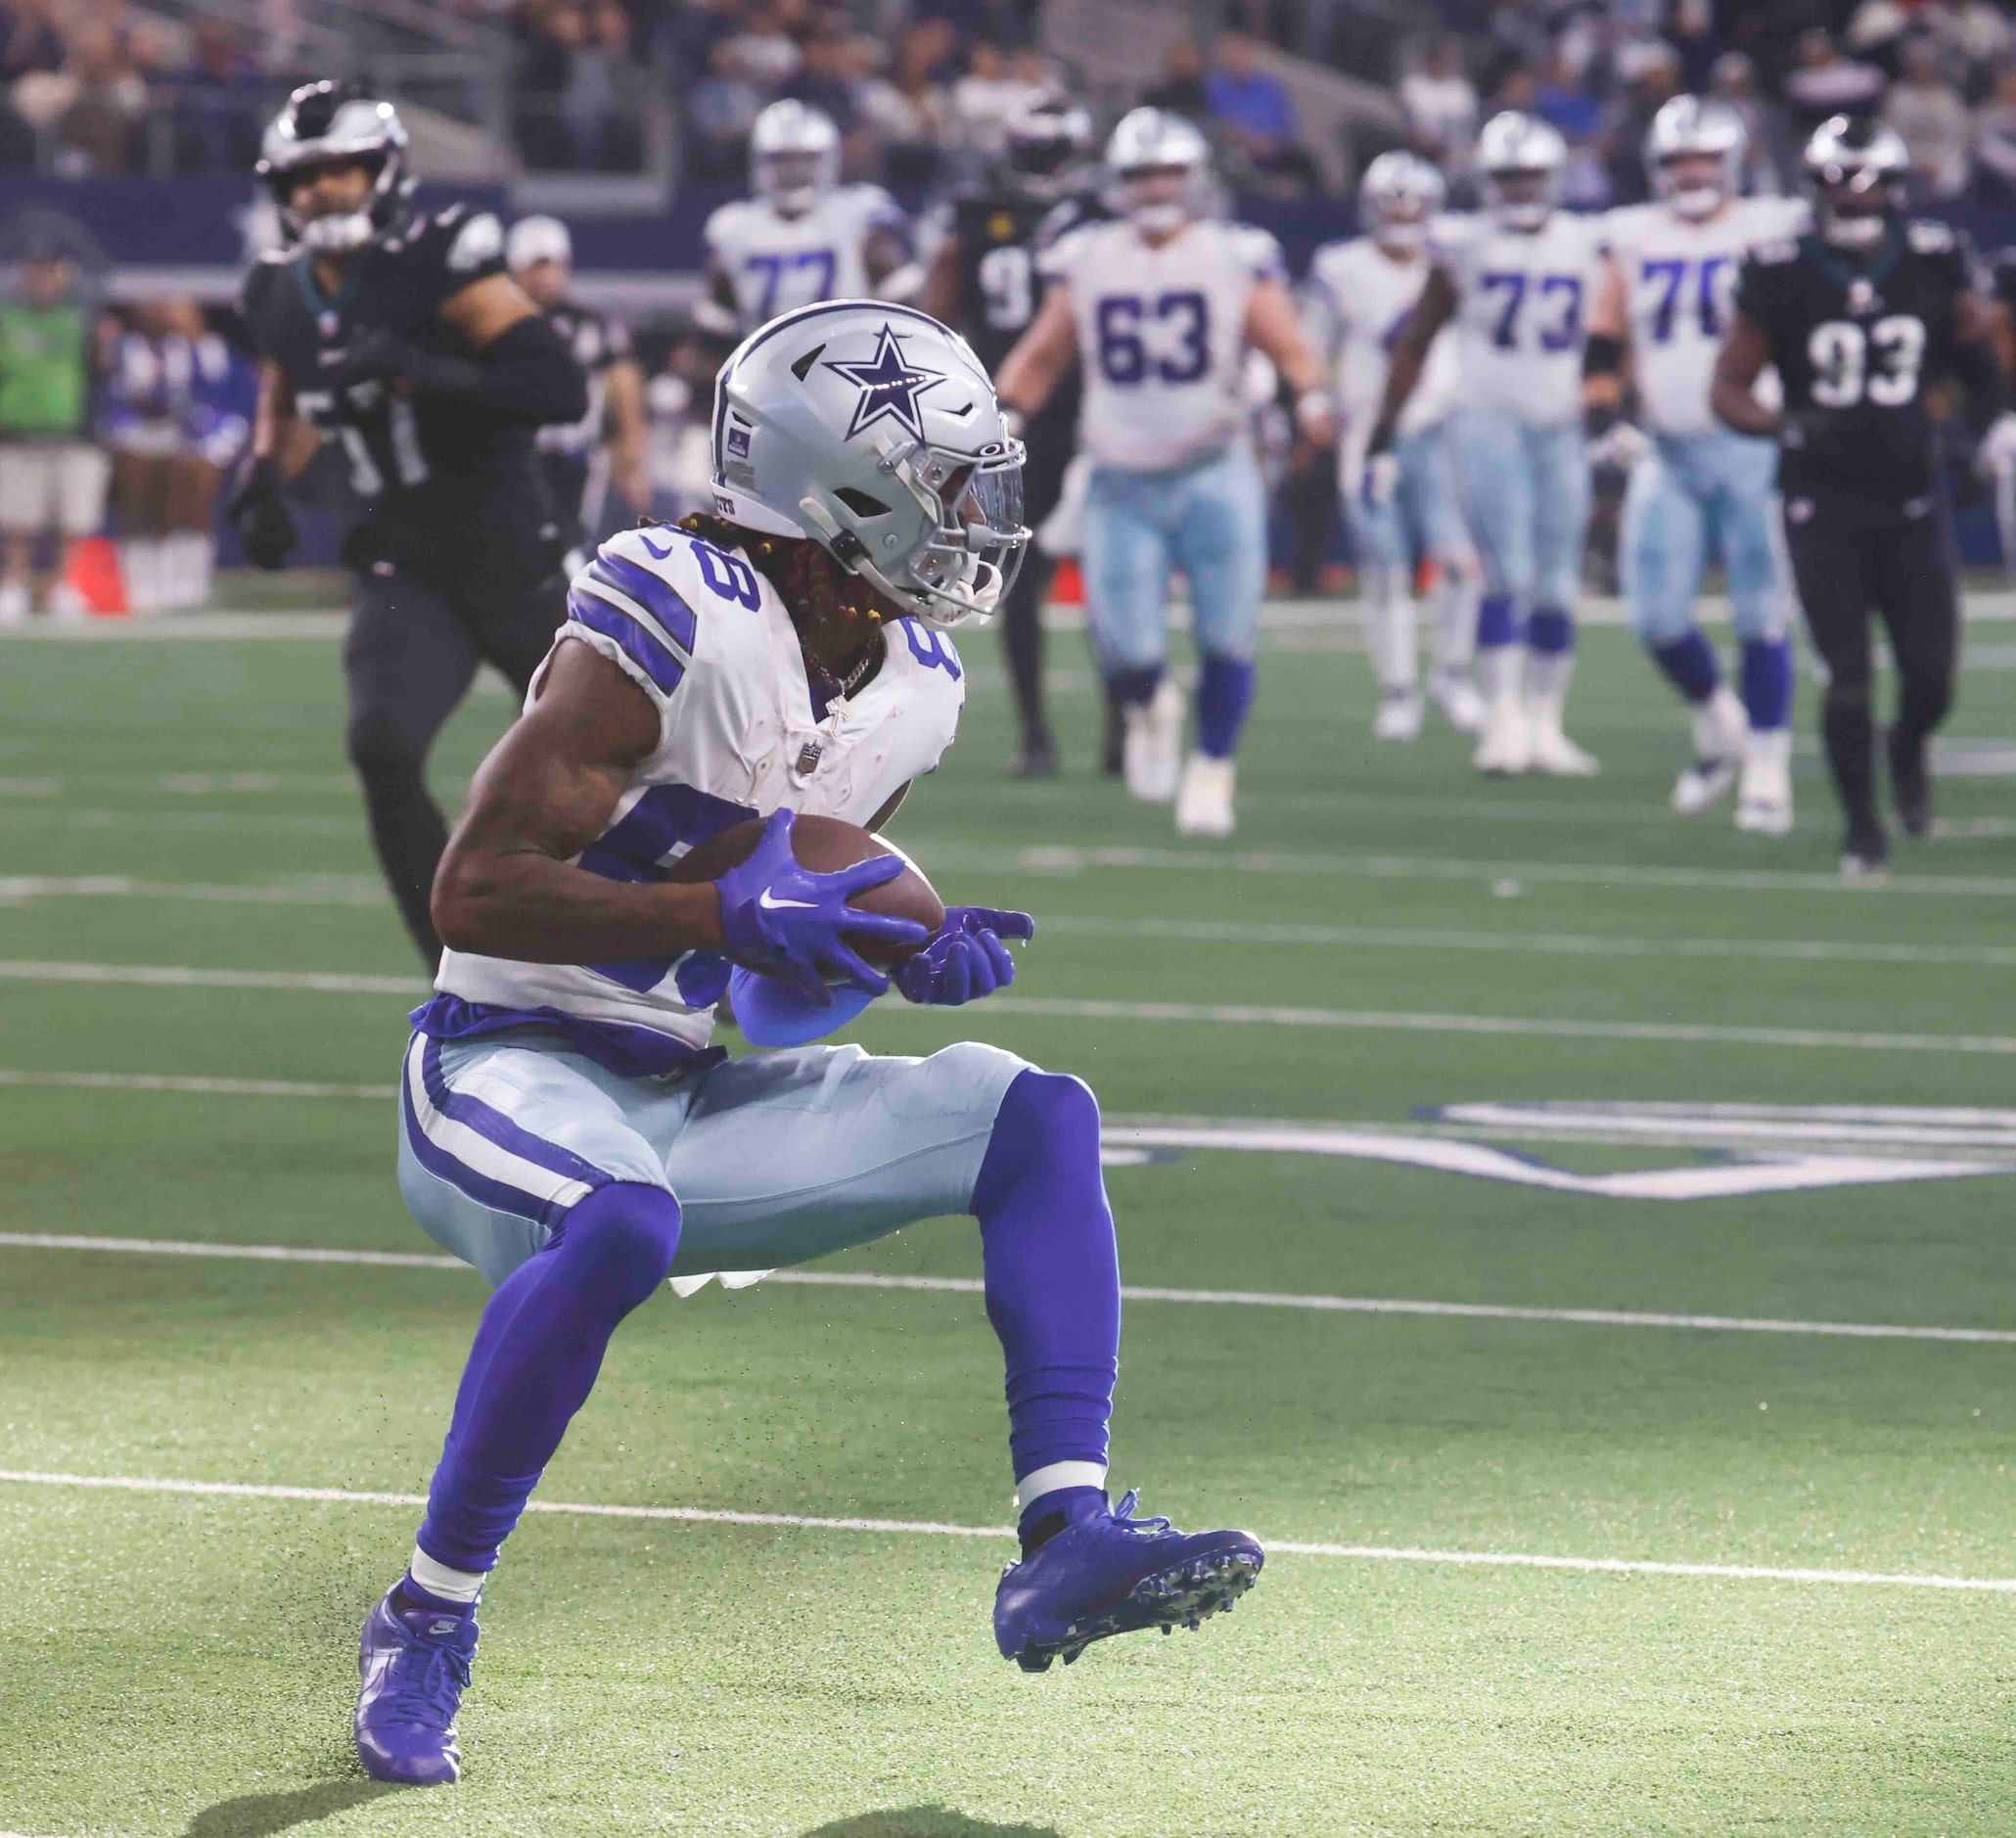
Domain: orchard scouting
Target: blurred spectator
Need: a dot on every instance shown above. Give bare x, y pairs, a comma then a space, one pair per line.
1995, 140
220, 95
1252, 105
1969, 32
982, 100
29, 40
1440, 105
1180, 89
1934, 122
1768, 162
907, 113
1691, 31
825, 78
1651, 74
573, 57
720, 111
764, 51
51, 475
91, 106
1560, 98
1825, 83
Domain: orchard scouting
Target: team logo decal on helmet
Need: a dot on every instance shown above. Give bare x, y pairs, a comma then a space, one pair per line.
890, 387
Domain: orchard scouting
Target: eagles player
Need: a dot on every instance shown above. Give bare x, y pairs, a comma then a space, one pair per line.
1359, 297
982, 277
804, 235
566, 1127
1696, 487
1860, 316
584, 460
1519, 291
401, 336
1161, 309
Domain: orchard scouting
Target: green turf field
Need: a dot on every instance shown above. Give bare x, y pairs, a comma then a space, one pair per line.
1387, 935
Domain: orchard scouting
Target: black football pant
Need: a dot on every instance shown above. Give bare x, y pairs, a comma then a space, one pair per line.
411, 654
1853, 554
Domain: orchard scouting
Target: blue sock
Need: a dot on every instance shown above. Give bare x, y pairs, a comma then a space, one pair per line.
1134, 688
1689, 665
1768, 682
1549, 631
535, 1358
1497, 622
1052, 1272
1224, 693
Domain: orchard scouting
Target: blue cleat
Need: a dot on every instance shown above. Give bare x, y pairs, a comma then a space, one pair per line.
415, 1662
1113, 1574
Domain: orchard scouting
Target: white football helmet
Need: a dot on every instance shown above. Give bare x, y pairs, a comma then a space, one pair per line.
1694, 128
793, 157
1520, 159
324, 123
1161, 163
874, 431
1399, 197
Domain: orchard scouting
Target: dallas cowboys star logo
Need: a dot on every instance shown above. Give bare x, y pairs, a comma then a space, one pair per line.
890, 387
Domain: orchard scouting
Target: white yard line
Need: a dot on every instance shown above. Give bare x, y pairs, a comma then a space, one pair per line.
191, 1083
336, 890
972, 1286
927, 1528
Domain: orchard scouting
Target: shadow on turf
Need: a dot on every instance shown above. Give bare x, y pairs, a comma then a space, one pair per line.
261, 1814
925, 1822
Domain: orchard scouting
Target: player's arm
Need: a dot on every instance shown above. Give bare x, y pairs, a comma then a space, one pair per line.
283, 443
1604, 356
939, 295
1435, 307
1042, 355
1731, 393
623, 398
281, 434
893, 272
1273, 330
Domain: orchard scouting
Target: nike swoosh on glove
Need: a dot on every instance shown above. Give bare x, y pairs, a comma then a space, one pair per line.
966, 957
782, 920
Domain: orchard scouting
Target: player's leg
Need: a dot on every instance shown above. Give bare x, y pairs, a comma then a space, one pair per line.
1916, 596
1222, 544
1126, 567
1386, 593
511, 612
1830, 541
1751, 539
521, 1162
1663, 546
1459, 577
1498, 497
790, 1156
1022, 611
1559, 466
407, 661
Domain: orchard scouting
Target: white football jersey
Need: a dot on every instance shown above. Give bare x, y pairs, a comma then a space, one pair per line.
1679, 281
709, 640
1523, 313
1161, 336
1359, 299
777, 265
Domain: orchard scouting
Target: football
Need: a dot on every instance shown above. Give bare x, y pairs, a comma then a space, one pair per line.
826, 844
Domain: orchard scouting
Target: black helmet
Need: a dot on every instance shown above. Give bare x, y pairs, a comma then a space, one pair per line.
1858, 167
325, 122
1046, 137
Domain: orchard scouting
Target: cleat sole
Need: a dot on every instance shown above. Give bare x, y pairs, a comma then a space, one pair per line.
1188, 1595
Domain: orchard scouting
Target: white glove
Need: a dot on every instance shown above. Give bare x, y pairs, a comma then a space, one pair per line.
1623, 448
1382, 478
1999, 446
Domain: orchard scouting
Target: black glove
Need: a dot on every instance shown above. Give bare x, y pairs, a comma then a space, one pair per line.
258, 513
377, 355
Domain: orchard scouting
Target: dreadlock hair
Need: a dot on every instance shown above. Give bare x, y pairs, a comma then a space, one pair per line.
797, 567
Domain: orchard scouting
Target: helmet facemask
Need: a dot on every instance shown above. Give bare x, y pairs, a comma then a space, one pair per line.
1855, 205
336, 233
1695, 185
793, 180
1521, 198
1159, 199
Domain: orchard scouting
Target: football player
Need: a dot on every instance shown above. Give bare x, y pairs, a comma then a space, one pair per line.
1359, 296
603, 451
567, 1128
1160, 309
1519, 290
1861, 317
401, 336
982, 277
1697, 488
804, 235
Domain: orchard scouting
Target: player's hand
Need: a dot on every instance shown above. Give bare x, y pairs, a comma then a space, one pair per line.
1382, 478
1621, 445
1997, 453
258, 513
784, 921
966, 957
377, 355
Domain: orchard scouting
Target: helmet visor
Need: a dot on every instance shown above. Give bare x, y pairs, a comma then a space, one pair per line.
976, 552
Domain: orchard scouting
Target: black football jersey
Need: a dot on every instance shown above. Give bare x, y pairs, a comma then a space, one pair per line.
998, 233
1856, 343
414, 458
596, 342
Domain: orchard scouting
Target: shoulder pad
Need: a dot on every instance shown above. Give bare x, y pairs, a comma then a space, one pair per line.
637, 595
1927, 237
1775, 255
1258, 249
478, 242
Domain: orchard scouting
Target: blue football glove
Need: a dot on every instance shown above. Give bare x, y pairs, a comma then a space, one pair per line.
783, 921
965, 958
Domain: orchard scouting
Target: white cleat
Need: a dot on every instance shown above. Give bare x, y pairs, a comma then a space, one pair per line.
1558, 757
1764, 798
1721, 736
1398, 716
1204, 806
1459, 701
1506, 748
1152, 755
14, 606
1702, 784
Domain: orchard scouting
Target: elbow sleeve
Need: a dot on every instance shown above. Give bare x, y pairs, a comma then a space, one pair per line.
525, 372
1603, 356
